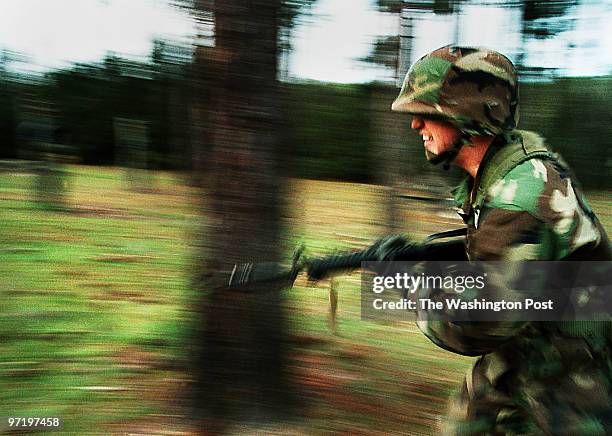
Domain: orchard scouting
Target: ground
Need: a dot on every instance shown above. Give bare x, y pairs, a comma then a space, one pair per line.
96, 296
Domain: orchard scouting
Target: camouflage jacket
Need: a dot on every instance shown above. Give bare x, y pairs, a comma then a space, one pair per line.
532, 377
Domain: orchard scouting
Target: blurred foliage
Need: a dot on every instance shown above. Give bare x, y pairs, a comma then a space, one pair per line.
582, 139
332, 136
386, 49
384, 52
328, 131
391, 6
8, 147
292, 9
435, 6
539, 19
88, 97
289, 12
444, 6
543, 18
329, 127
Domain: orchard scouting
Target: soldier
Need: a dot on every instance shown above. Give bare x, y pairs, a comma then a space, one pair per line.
519, 202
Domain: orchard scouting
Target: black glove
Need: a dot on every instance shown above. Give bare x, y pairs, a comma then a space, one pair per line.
396, 248
390, 248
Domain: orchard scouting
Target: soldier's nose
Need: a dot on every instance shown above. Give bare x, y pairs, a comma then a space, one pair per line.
417, 123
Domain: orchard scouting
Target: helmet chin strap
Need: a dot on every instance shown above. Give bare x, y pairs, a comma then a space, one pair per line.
447, 156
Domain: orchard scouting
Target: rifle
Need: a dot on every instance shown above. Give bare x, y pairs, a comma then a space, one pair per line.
245, 276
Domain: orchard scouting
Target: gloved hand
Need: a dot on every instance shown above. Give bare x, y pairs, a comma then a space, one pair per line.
396, 248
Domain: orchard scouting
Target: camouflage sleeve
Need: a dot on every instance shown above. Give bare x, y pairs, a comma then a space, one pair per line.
475, 337
461, 331
501, 235
534, 213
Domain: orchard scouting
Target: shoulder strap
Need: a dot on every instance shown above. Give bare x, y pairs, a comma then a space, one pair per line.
520, 147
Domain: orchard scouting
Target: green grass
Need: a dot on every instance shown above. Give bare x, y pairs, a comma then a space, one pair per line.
83, 290
95, 300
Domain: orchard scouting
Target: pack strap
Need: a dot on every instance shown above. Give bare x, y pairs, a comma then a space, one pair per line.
448, 234
520, 147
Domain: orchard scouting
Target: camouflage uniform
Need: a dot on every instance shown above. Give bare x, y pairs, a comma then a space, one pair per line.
532, 377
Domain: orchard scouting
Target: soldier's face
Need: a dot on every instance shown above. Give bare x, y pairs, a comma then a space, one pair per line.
438, 136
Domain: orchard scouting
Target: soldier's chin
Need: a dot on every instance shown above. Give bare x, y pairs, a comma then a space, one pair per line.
431, 157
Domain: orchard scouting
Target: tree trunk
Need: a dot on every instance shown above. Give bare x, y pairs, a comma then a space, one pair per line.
389, 152
241, 363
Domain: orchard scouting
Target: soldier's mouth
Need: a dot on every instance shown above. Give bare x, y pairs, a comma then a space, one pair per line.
427, 139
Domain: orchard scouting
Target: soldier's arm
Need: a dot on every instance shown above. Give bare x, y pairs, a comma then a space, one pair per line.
534, 213
511, 227
502, 236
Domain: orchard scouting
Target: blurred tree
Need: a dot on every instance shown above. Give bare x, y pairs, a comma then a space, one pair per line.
236, 114
7, 95
385, 52
392, 6
393, 52
89, 97
328, 132
290, 13
169, 127
387, 49
390, 151
41, 141
542, 19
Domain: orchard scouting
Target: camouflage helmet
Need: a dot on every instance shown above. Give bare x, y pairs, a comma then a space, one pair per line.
476, 89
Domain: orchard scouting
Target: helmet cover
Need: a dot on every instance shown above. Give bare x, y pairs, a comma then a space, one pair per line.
476, 89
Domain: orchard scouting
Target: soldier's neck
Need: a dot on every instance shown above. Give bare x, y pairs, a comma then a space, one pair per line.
470, 156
